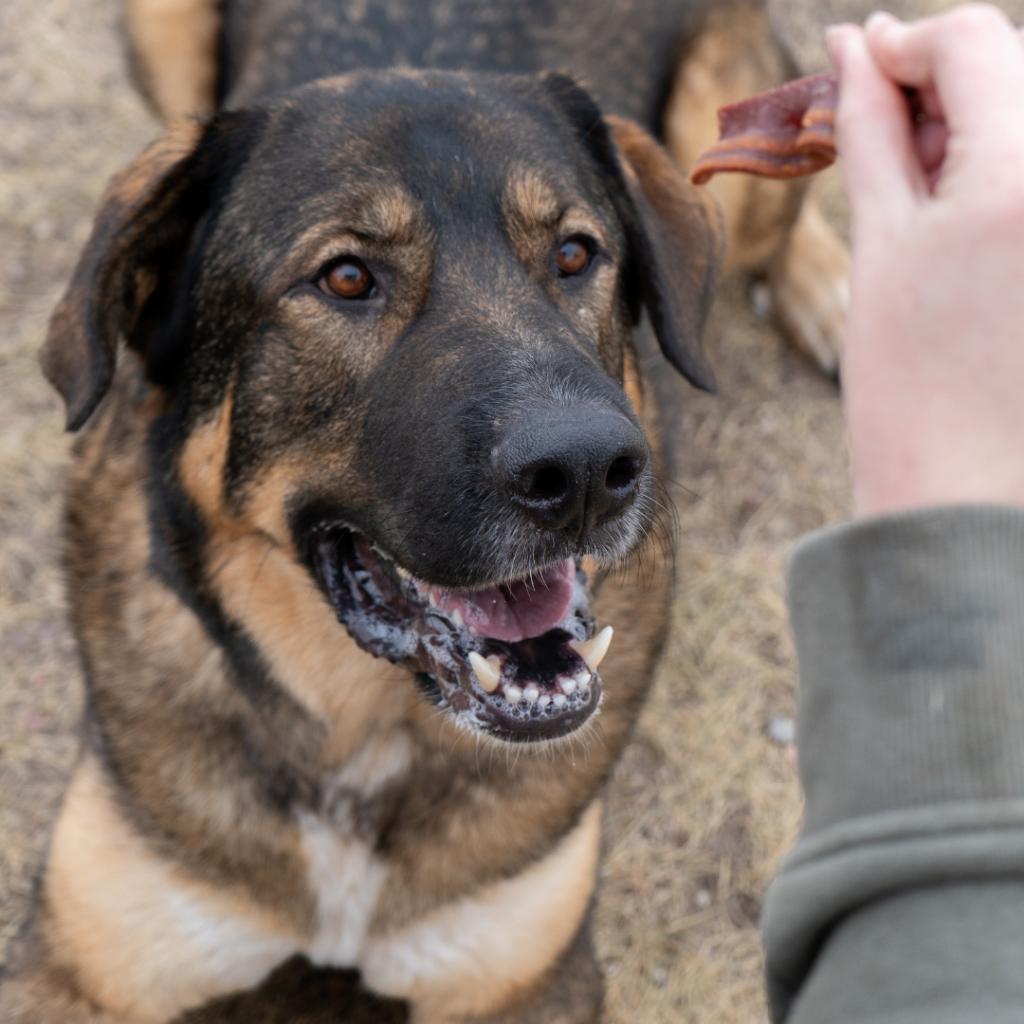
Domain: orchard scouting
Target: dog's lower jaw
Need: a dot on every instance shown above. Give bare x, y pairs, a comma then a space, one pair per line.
517, 662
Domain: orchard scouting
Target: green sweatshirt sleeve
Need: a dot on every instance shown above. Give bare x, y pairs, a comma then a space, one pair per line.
903, 901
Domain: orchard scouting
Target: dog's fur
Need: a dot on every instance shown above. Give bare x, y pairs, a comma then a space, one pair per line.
254, 787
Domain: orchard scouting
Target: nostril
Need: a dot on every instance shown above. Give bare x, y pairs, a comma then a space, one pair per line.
621, 475
545, 485
571, 469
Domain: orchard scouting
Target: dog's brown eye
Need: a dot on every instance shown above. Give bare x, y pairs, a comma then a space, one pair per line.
347, 279
574, 256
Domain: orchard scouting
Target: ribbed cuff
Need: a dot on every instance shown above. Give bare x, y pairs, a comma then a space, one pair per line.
910, 639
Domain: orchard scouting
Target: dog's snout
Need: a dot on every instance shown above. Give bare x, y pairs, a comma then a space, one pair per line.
571, 469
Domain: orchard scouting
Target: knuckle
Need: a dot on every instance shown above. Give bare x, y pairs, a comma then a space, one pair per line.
977, 19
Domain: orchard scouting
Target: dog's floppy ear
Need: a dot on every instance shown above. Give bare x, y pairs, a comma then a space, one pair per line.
674, 229
676, 238
141, 220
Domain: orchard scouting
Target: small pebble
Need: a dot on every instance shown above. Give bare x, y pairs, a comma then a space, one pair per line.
761, 300
782, 729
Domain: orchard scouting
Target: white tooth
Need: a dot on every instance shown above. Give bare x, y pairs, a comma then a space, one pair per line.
582, 677
488, 675
495, 662
513, 694
531, 693
568, 684
561, 700
457, 618
544, 701
593, 651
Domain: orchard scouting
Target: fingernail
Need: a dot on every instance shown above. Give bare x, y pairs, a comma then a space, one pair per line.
835, 43
881, 18
882, 21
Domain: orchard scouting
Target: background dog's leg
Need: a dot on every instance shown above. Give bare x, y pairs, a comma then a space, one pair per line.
173, 47
809, 281
773, 230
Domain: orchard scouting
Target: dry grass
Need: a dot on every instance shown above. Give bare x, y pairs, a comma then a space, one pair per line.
704, 803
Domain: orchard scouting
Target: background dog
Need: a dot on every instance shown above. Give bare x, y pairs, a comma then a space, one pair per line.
246, 481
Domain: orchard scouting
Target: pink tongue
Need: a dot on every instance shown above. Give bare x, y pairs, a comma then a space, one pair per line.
516, 611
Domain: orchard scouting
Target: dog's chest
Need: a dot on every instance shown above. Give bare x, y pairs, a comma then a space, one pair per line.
344, 874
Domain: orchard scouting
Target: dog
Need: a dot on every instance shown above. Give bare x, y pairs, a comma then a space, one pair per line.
368, 367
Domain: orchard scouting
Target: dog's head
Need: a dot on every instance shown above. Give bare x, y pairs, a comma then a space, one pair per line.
402, 303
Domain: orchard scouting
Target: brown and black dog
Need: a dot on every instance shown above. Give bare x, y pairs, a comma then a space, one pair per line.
366, 429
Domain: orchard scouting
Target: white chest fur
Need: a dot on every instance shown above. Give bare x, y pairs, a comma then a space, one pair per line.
343, 873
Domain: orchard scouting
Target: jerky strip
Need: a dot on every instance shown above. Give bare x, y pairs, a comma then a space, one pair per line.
785, 133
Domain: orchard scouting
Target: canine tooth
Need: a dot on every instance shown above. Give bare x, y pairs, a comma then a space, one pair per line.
582, 678
488, 675
544, 701
593, 651
513, 694
531, 693
457, 618
568, 684
560, 700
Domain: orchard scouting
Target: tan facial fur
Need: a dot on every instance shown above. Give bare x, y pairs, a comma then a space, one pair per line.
254, 572
537, 222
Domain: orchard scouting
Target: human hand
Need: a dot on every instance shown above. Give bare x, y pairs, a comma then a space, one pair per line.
933, 366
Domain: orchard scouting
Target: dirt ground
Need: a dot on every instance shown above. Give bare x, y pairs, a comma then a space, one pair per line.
705, 802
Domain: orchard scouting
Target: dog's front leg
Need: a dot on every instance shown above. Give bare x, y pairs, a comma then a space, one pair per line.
514, 951
35, 989
571, 992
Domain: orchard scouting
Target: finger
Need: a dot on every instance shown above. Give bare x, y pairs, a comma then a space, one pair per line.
971, 56
874, 132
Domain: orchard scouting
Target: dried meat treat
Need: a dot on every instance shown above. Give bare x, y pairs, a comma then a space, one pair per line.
785, 133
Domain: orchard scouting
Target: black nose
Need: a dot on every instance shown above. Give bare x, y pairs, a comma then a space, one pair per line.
571, 469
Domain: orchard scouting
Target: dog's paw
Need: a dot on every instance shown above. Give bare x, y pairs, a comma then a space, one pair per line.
809, 288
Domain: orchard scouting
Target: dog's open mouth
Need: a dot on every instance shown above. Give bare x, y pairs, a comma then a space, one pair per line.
518, 660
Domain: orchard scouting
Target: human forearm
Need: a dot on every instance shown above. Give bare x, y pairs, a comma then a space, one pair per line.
910, 635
